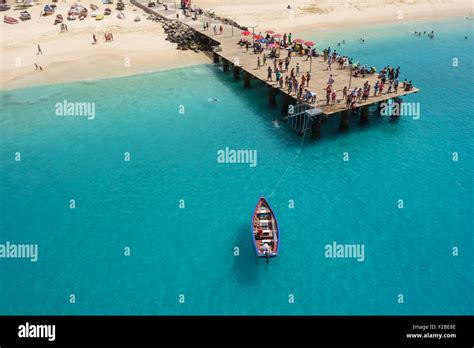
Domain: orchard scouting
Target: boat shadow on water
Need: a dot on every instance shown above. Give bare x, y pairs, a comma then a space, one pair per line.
247, 265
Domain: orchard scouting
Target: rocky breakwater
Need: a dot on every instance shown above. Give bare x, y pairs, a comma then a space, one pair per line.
185, 37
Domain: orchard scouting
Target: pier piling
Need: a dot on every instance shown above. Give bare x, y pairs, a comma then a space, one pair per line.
344, 120
272, 97
316, 128
216, 58
246, 80
236, 72
364, 114
225, 65
285, 104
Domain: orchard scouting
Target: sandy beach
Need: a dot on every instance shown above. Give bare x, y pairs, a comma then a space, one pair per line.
140, 47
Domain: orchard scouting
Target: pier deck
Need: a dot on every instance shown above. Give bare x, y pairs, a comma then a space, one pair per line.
247, 61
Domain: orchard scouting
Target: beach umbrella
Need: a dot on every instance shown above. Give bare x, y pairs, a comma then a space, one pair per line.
262, 40
246, 33
298, 40
274, 45
277, 35
258, 37
309, 43
269, 32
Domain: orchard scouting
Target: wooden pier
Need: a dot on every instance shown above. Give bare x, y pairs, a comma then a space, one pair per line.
243, 64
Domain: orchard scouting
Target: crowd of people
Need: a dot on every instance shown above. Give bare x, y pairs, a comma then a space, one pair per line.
294, 81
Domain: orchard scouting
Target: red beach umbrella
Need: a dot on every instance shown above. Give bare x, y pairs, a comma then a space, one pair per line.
277, 35
269, 32
309, 43
258, 37
298, 40
246, 33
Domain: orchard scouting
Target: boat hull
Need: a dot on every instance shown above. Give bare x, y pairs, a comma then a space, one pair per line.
264, 218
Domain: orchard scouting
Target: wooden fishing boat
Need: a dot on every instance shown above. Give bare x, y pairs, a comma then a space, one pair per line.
48, 10
94, 7
59, 19
10, 20
99, 17
265, 233
107, 11
4, 7
25, 15
120, 5
71, 16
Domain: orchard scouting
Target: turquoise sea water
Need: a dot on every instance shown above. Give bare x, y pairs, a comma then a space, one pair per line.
190, 251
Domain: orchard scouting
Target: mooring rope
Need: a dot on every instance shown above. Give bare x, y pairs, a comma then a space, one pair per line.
289, 165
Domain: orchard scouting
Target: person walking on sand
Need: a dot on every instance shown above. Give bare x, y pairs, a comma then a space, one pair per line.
94, 38
215, 29
221, 29
297, 69
36, 67
330, 80
308, 77
39, 50
258, 63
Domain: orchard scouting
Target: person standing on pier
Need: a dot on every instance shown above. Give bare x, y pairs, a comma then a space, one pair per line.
287, 63
333, 97
376, 89
381, 86
344, 93
289, 39
269, 76
395, 84
215, 29
303, 80
258, 63
221, 29
328, 95
297, 69
264, 59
